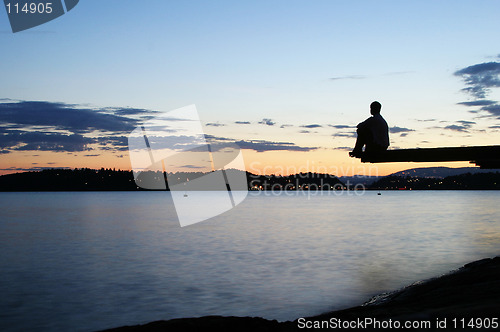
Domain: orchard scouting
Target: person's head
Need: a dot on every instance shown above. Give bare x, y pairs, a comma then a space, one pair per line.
375, 108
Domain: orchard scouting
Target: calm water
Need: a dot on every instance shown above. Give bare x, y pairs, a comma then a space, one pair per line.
87, 261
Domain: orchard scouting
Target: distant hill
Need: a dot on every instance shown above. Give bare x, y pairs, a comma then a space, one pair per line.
467, 181
422, 172
439, 172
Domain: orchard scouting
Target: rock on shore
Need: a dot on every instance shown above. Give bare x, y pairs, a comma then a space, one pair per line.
472, 291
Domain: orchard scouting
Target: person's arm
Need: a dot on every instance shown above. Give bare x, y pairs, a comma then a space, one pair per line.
364, 124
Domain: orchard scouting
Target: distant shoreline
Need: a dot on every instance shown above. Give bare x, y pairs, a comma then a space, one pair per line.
56, 180
458, 299
253, 191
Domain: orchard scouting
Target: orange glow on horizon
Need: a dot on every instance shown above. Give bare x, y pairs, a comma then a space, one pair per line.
327, 161
336, 162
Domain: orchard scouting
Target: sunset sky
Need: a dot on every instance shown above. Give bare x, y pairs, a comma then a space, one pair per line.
286, 80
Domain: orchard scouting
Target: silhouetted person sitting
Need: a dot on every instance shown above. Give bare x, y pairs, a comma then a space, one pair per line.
373, 132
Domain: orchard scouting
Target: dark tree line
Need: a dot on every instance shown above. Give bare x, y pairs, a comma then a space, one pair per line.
85, 179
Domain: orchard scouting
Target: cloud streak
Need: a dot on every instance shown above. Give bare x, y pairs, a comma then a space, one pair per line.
267, 122
60, 127
458, 128
341, 126
343, 148
259, 145
396, 130
60, 116
38, 168
348, 77
263, 146
480, 78
478, 103
493, 110
311, 126
350, 135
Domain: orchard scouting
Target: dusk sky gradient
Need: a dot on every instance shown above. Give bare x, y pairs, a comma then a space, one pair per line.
287, 80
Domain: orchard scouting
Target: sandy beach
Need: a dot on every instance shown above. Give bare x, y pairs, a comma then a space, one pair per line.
464, 299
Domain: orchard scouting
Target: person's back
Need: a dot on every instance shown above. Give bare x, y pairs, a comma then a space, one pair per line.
373, 132
379, 130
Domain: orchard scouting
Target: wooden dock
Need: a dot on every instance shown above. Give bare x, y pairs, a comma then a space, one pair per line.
486, 157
